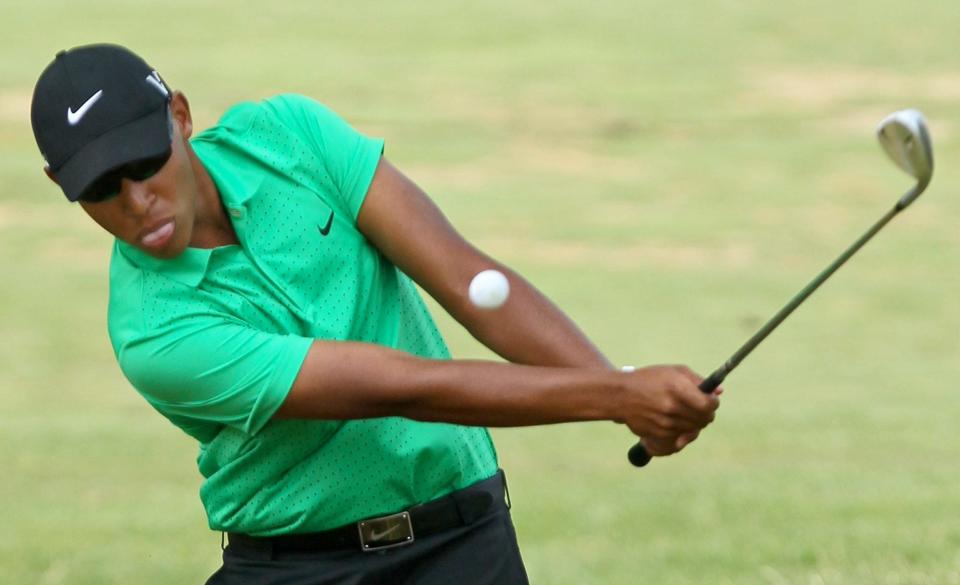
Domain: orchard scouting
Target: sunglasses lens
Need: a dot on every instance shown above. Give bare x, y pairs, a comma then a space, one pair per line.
104, 188
144, 169
108, 185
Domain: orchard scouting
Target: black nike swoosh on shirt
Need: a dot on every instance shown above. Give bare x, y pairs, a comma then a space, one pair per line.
326, 229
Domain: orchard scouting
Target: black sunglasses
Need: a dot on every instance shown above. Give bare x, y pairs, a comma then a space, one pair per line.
108, 185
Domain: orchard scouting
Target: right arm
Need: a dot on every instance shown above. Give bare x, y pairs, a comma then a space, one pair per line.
350, 380
212, 370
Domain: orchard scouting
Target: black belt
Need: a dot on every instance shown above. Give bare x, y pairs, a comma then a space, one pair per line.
460, 508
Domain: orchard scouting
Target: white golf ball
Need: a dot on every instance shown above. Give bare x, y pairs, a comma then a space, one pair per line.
489, 289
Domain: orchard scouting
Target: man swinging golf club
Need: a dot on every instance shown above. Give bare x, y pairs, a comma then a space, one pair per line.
262, 300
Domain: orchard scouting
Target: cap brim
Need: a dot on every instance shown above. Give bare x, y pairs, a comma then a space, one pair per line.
146, 137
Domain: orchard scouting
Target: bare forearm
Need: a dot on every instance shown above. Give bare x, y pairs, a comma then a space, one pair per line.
354, 380
344, 380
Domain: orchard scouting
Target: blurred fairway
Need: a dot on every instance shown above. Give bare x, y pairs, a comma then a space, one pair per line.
669, 173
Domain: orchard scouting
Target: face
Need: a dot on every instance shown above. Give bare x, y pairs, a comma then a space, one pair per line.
154, 211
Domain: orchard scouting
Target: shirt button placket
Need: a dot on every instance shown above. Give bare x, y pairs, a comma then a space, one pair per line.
238, 217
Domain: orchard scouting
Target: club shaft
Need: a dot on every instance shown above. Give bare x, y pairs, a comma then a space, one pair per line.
638, 454
751, 344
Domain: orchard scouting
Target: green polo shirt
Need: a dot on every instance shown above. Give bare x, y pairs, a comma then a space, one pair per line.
214, 338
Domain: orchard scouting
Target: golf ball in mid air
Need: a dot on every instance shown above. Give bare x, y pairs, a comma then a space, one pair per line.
489, 289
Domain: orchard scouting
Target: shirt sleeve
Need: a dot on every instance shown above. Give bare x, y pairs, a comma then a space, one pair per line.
215, 371
350, 158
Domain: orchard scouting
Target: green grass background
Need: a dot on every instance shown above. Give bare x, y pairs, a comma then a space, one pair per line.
669, 173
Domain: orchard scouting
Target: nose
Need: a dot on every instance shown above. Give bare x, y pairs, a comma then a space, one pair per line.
137, 197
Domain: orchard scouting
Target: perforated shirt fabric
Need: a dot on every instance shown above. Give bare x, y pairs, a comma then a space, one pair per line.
214, 338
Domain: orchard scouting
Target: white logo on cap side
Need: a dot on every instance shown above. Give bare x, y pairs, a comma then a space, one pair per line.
73, 118
154, 80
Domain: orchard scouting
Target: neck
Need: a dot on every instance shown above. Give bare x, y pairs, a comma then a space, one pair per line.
211, 226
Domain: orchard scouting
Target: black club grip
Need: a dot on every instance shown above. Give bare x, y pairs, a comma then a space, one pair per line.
638, 455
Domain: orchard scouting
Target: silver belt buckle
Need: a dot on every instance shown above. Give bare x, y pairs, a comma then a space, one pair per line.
385, 532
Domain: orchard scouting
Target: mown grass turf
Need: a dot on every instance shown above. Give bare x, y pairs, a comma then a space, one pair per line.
670, 173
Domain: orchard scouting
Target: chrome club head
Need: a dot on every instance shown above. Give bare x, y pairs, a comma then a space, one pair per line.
904, 137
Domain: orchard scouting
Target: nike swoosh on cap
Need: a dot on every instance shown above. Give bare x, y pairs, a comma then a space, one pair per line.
73, 118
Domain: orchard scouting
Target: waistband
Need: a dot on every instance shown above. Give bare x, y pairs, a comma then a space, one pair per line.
460, 508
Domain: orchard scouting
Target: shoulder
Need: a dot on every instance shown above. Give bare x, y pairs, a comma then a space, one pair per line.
282, 114
301, 115
293, 105
289, 108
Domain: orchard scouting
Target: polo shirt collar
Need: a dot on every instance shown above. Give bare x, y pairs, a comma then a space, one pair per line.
187, 268
237, 178
236, 183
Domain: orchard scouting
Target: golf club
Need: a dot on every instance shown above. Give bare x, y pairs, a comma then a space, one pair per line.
904, 137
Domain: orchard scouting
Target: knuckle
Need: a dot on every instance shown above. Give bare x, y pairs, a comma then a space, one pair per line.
660, 430
707, 405
670, 405
687, 373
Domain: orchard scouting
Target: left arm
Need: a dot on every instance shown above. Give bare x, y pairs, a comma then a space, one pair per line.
410, 230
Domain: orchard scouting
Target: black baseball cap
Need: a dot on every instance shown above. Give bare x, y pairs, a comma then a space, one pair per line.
96, 108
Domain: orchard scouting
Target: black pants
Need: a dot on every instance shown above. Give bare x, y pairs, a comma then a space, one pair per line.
484, 552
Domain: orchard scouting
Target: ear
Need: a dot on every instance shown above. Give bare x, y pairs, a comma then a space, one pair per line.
180, 110
50, 174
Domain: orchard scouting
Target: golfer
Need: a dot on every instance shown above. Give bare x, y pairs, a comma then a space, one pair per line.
262, 299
